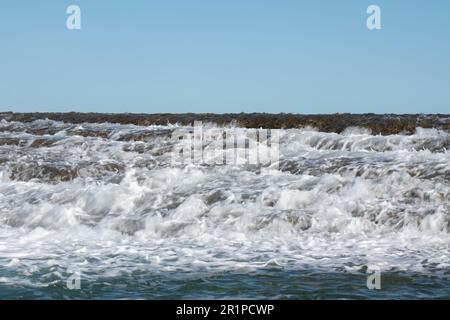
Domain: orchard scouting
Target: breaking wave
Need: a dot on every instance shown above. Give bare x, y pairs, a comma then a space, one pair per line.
105, 199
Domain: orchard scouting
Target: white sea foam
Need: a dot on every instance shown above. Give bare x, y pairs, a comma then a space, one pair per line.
338, 201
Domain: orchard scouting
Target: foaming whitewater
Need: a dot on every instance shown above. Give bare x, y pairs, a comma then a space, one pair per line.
105, 200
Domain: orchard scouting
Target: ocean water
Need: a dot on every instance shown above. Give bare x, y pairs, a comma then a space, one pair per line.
104, 204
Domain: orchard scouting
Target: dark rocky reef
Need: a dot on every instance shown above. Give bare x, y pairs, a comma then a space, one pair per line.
379, 124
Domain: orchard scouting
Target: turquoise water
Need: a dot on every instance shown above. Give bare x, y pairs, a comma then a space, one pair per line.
271, 284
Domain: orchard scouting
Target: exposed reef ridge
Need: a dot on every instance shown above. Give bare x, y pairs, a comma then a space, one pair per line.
384, 124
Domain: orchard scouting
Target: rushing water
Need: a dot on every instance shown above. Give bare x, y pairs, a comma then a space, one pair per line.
105, 202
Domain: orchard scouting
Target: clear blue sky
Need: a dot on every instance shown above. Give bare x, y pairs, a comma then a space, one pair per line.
314, 56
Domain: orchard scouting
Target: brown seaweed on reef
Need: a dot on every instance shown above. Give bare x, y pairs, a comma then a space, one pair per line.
55, 174
378, 124
38, 143
23, 172
146, 136
90, 133
12, 142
